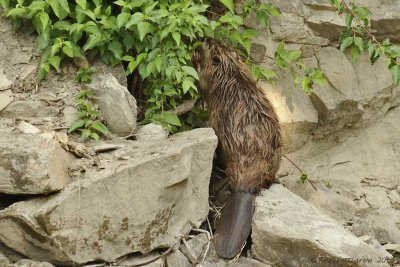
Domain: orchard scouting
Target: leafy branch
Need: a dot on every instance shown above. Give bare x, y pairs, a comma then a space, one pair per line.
358, 37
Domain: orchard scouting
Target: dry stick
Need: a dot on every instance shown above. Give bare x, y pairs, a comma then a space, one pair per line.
294, 164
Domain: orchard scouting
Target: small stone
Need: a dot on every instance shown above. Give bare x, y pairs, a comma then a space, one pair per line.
27, 128
105, 147
4, 82
5, 99
177, 259
150, 132
394, 197
69, 116
115, 103
196, 248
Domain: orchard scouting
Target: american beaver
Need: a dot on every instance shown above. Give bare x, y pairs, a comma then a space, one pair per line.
249, 137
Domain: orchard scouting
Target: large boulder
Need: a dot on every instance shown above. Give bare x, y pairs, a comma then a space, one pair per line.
156, 192
289, 231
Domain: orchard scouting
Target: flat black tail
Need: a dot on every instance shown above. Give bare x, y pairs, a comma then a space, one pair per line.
234, 225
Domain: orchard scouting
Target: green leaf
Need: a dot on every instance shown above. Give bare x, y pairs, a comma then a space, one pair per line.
62, 25
144, 28
349, 20
187, 84
55, 62
271, 9
5, 4
190, 71
395, 69
64, 5
128, 58
85, 133
134, 20
76, 125
229, 4
122, 19
68, 51
171, 118
177, 37
98, 126
355, 52
346, 43
44, 19
55, 5
81, 3
294, 55
95, 136
116, 48
358, 41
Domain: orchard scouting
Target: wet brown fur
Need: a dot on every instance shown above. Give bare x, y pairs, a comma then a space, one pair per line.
243, 118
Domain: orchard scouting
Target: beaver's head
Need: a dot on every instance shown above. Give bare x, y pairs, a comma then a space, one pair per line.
218, 64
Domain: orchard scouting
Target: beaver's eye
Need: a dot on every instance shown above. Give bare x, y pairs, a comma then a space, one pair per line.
216, 60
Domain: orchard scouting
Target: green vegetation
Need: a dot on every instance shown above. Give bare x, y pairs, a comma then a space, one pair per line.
357, 37
88, 118
154, 38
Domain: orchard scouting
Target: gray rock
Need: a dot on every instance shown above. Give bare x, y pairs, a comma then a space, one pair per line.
150, 132
115, 103
381, 224
27, 128
69, 115
291, 28
377, 197
151, 259
169, 179
5, 99
32, 164
394, 197
336, 206
241, 262
28, 109
177, 259
284, 222
372, 79
340, 73
196, 247
30, 263
4, 82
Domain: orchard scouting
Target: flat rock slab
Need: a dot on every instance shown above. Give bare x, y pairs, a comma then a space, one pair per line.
32, 164
139, 204
288, 231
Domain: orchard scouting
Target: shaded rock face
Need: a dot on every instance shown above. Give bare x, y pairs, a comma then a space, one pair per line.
171, 176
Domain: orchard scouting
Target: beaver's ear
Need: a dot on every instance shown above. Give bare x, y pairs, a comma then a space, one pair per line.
216, 60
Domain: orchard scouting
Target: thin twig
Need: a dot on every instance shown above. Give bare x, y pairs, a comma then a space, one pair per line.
294, 164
